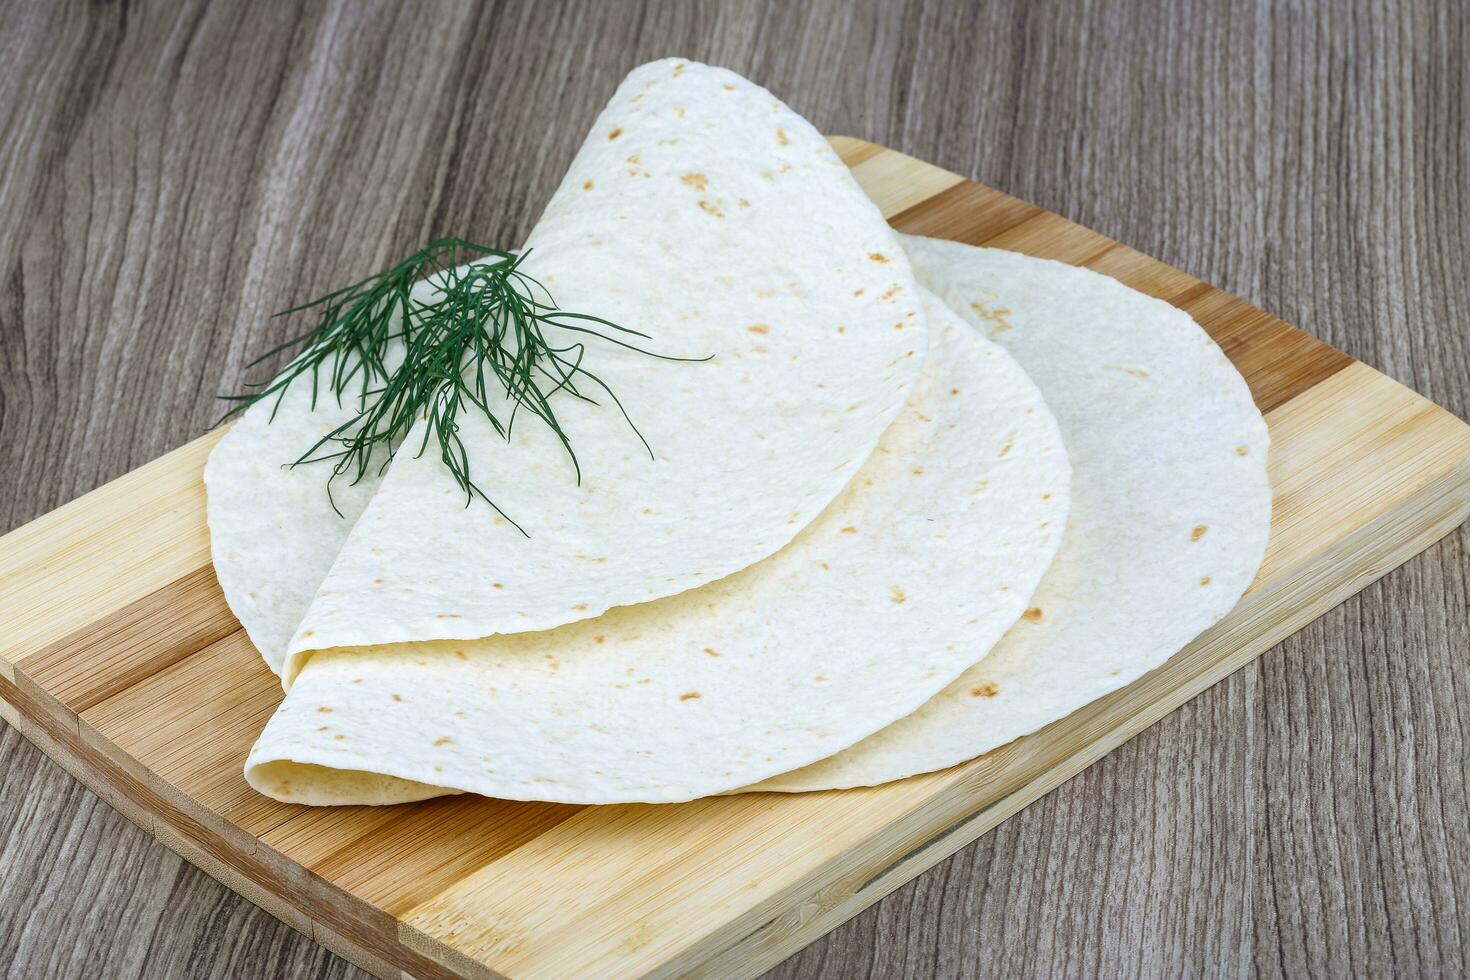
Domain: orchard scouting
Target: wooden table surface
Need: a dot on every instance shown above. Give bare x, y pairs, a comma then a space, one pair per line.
170, 173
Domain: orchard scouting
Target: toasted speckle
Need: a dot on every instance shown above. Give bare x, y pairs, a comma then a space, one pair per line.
1205, 581
441, 742
616, 132
711, 651
897, 595
878, 257
986, 690
587, 185
695, 180
711, 209
689, 696
1198, 532
849, 530
398, 697
1242, 450
324, 710
781, 137
1032, 615
759, 328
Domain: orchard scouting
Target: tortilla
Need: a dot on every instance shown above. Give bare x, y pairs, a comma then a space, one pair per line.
906, 579
1171, 505
706, 214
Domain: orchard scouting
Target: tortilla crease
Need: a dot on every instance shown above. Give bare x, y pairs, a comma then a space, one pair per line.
923, 562
704, 213
1171, 505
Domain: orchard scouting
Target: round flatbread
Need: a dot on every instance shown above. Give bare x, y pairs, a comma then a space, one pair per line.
1171, 505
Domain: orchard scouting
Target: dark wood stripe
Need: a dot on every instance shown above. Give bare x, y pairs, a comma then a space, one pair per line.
1278, 361
967, 212
97, 661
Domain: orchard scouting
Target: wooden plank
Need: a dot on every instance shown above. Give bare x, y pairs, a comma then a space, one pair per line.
153, 694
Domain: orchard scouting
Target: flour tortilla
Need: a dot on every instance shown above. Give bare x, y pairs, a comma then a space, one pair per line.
700, 211
1170, 505
273, 531
912, 574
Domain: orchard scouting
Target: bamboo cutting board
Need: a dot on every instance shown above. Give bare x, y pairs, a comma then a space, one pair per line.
119, 658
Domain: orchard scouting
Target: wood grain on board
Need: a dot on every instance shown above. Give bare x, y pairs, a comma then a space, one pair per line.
142, 684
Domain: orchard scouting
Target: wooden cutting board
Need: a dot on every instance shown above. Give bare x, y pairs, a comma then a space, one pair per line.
119, 658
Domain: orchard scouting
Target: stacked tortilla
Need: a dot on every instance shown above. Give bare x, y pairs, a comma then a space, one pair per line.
902, 515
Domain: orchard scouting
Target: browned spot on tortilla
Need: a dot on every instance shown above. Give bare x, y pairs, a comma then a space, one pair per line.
1205, 581
306, 633
378, 581
729, 88
1046, 496
325, 728
820, 678
633, 158
689, 696
600, 638
496, 585
781, 137
587, 185
678, 70
859, 292
878, 257
324, 710
759, 328
338, 738
448, 616
442, 741
616, 132
398, 697
768, 175
898, 326
712, 651
1010, 443
709, 208
849, 530
918, 471
357, 680
1242, 450
580, 607
679, 111
1032, 615
998, 317
1134, 372
743, 203
1198, 532
954, 391
460, 655
986, 690
697, 181
897, 595
841, 329
892, 292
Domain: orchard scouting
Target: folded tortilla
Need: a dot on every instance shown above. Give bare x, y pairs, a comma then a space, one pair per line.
913, 573
1171, 505
702, 212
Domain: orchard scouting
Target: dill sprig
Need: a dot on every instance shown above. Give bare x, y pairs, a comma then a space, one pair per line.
477, 340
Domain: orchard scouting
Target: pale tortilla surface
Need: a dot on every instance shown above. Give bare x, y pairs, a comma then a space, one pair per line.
1171, 505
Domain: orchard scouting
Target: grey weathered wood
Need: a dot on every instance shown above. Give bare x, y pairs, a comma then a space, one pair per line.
171, 173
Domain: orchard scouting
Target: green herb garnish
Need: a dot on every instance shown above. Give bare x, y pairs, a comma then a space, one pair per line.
480, 335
